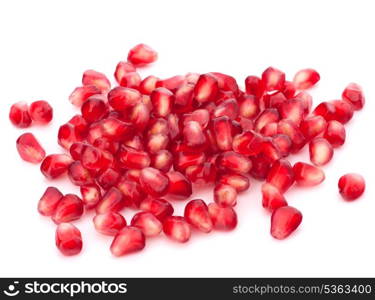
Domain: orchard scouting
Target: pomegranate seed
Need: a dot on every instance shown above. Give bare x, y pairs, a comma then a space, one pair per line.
82, 93
238, 181
248, 143
281, 175
141, 55
136, 142
313, 126
223, 218
273, 100
273, 79
108, 178
67, 136
272, 197
48, 202
106, 144
96, 160
343, 111
91, 195
292, 110
206, 88
158, 126
112, 200
261, 166
123, 68
131, 80
201, 116
235, 162
128, 240
95, 132
222, 129
121, 98
115, 129
55, 165
179, 186
306, 100
148, 85
69, 208
335, 133
154, 182
94, 110
227, 108
289, 90
97, 79
193, 134
157, 142
109, 223
246, 124
162, 160
148, 223
351, 186
294, 133
254, 86
140, 116
282, 143
173, 83
160, 208
201, 174
225, 195
183, 160
80, 125
184, 98
305, 79
270, 150
354, 95
284, 221
162, 101
226, 83
133, 159
41, 112
196, 214
307, 175
29, 148
325, 109
177, 229
19, 115
68, 239
79, 175
131, 191
248, 107
268, 115
321, 151
269, 130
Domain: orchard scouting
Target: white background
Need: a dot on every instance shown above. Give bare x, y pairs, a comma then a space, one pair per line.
46, 45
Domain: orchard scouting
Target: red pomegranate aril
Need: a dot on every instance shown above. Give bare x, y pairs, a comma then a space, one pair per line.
354, 95
97, 79
112, 200
131, 80
226, 83
94, 132
283, 143
141, 55
269, 130
79, 175
270, 150
172, 83
109, 223
272, 198
238, 181
222, 129
272, 100
325, 109
148, 223
116, 129
68, 239
292, 110
206, 88
201, 116
321, 151
29, 148
307, 175
179, 186
68, 209
121, 98
55, 165
41, 112
306, 100
193, 134
246, 124
128, 240
133, 159
67, 136
234, 162
227, 108
225, 195
108, 178
201, 174
91, 195
160, 208
223, 218
49, 200
157, 142
94, 110
290, 129
82, 93
196, 214
177, 229
106, 144
248, 107
140, 116
183, 160
132, 192
289, 90
248, 143
162, 101
313, 126
123, 68
273, 79
19, 115
158, 125
254, 86
162, 160
184, 98
267, 116
148, 85
281, 175
95, 160
154, 182
351, 186
335, 133
136, 142
305, 79
284, 221
76, 150
343, 111
80, 125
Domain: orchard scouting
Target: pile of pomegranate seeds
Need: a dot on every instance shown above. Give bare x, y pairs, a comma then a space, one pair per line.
149, 142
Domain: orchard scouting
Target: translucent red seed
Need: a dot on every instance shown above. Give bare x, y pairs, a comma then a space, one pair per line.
351, 186
68, 239
41, 112
284, 221
19, 115
29, 148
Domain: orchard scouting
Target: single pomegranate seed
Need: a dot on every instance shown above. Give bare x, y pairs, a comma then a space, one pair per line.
141, 55
321, 151
95, 132
183, 160
248, 107
201, 116
248, 143
91, 195
121, 98
55, 165
351, 186
29, 148
128, 240
325, 109
306, 100
273, 100
354, 95
305, 79
201, 174
269, 130
226, 83
69, 208
270, 150
225, 195
307, 175
157, 142
115, 129
227, 108
284, 221
254, 86
19, 115
159, 125
148, 85
48, 202
184, 98
96, 160
67, 136
131, 80
261, 166
313, 126
206, 88
343, 111
268, 115
173, 83
292, 110
131, 191
177, 229
112, 200
94, 110
140, 116
196, 214
289, 90
79, 175
148, 223
179, 186
238, 181
41, 112
235, 162
281, 175
97, 79
68, 239
193, 134
290, 129
133, 159
80, 125
154, 182
335, 133
272, 197
122, 69
108, 178
135, 142
222, 129
162, 101
109, 223
82, 93
160, 208
162, 160
273, 79
106, 144
283, 143
223, 218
